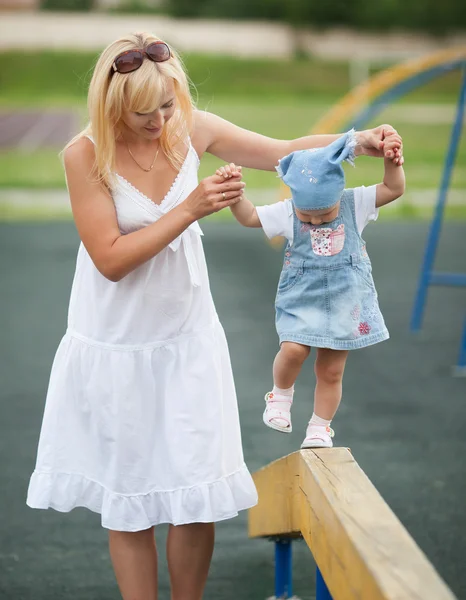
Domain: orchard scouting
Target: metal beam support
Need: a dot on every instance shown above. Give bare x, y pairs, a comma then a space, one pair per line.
322, 592
283, 569
460, 369
425, 278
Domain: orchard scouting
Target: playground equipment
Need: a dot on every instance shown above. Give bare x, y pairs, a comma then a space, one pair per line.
361, 549
364, 103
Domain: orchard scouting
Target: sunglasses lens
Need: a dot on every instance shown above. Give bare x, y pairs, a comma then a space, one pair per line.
158, 52
129, 62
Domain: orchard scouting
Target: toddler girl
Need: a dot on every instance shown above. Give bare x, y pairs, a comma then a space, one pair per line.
326, 296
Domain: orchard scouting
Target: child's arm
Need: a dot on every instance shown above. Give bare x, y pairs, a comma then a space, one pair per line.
244, 210
245, 213
393, 185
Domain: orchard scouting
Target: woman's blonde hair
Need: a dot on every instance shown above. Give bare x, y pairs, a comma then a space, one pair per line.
140, 91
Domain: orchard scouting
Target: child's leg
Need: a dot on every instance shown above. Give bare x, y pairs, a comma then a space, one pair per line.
189, 552
286, 368
288, 363
329, 368
134, 558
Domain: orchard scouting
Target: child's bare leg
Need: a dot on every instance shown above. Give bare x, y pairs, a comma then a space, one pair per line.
288, 363
134, 558
286, 368
189, 552
329, 368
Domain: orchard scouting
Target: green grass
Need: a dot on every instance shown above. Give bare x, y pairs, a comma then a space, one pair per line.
277, 98
425, 148
61, 79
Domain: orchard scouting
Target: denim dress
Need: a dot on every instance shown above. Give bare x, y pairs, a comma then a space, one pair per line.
326, 295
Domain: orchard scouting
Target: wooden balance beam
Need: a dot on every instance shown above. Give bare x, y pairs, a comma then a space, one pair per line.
360, 547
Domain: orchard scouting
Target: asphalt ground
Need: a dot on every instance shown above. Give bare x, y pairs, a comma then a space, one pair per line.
403, 414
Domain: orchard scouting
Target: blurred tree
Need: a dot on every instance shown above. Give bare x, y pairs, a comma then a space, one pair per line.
430, 15
71, 5
184, 8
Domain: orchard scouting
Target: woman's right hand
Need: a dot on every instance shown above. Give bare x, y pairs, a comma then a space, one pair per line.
213, 194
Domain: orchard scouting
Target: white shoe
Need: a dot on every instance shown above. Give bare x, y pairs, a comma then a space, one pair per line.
278, 417
318, 436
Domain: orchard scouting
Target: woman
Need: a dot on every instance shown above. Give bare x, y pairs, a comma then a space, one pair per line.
141, 421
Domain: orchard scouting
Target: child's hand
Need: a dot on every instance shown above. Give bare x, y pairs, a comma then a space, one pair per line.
372, 142
393, 147
229, 171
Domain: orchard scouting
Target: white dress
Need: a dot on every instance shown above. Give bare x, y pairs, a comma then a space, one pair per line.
141, 420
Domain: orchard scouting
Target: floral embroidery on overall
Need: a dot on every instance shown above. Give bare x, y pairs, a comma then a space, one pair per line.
364, 328
363, 317
305, 227
287, 258
327, 241
355, 313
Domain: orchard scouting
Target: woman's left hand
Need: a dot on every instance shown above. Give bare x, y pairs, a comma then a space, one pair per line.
371, 142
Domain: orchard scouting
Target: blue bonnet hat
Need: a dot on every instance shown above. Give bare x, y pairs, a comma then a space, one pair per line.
316, 177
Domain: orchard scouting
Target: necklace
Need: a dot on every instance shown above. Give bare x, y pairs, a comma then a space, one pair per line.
140, 166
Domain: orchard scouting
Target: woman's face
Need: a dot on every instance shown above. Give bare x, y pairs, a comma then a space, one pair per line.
317, 217
150, 125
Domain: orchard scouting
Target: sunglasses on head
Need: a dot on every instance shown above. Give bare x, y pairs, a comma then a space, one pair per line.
131, 60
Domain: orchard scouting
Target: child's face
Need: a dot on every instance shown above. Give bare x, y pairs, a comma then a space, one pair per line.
317, 217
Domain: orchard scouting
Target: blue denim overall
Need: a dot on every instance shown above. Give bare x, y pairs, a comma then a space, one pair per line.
326, 295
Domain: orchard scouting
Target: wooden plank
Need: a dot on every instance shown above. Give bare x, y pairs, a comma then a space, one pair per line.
362, 549
278, 510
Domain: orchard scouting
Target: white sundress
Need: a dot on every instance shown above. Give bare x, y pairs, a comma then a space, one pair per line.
141, 420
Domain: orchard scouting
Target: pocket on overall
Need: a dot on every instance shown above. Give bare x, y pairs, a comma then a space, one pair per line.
327, 241
288, 278
364, 272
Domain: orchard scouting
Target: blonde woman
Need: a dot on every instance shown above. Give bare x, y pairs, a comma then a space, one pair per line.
141, 421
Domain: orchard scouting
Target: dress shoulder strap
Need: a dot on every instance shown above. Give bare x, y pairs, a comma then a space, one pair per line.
89, 137
348, 194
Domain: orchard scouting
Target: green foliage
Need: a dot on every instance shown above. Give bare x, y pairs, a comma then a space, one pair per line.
428, 15
71, 5
61, 78
136, 7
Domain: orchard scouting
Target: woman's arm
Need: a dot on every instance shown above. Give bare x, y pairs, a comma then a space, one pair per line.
114, 254
233, 144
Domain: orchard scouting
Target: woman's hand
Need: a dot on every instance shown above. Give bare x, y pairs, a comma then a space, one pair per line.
243, 209
372, 142
215, 193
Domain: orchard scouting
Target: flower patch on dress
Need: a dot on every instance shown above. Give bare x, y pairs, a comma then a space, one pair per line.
356, 312
327, 241
371, 310
305, 227
364, 328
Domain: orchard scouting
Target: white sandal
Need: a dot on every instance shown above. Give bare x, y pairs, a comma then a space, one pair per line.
318, 436
280, 413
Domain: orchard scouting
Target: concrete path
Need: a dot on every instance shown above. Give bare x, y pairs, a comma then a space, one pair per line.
19, 205
93, 31
30, 130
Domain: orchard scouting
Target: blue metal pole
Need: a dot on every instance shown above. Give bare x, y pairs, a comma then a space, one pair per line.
434, 233
461, 368
322, 592
283, 569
